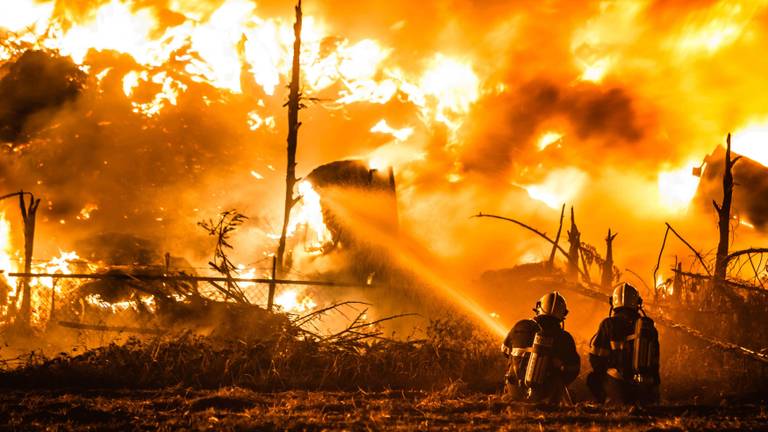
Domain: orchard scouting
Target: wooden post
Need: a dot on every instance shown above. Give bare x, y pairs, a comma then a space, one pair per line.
294, 104
574, 239
28, 213
271, 295
606, 280
551, 262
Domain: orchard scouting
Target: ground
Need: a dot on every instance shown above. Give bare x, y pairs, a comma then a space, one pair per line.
240, 409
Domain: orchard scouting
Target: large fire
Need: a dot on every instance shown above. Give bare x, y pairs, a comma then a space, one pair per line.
630, 94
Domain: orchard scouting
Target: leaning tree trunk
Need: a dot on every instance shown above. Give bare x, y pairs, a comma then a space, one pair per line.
606, 280
724, 221
294, 104
574, 240
28, 213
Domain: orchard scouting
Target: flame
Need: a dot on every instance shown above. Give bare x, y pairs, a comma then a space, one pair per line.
85, 212
25, 14
219, 47
399, 134
677, 187
398, 152
752, 141
255, 121
595, 71
120, 306
290, 300
6, 250
309, 214
549, 138
716, 27
560, 186
455, 87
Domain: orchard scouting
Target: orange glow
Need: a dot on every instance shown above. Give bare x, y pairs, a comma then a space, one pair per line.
677, 187
716, 27
292, 301
308, 214
399, 134
453, 85
549, 138
752, 141
6, 249
26, 13
559, 187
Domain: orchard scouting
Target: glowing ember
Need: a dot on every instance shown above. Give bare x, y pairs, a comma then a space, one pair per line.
255, 121
85, 212
677, 187
746, 223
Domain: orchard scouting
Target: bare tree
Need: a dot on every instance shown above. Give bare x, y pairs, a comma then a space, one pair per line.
28, 213
606, 280
574, 240
294, 105
724, 220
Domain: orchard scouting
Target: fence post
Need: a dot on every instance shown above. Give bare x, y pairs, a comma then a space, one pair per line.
271, 295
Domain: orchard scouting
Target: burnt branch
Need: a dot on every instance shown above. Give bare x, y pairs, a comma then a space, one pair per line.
685, 242
532, 229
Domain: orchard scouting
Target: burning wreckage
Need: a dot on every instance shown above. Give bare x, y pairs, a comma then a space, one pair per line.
160, 128
126, 281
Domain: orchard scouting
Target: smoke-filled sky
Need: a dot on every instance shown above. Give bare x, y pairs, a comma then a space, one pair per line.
159, 114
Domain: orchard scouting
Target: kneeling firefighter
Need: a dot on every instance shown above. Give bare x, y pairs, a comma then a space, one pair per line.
542, 355
624, 353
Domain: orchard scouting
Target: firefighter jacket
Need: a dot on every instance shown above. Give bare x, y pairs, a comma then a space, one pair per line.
518, 344
612, 348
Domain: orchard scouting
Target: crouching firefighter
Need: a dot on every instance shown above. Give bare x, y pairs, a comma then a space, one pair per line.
542, 355
624, 353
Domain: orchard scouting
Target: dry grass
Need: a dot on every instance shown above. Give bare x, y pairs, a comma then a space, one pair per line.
287, 358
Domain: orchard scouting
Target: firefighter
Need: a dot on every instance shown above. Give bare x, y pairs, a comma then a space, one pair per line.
624, 353
542, 355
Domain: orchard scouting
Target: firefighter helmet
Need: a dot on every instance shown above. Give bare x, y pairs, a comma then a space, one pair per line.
552, 304
626, 296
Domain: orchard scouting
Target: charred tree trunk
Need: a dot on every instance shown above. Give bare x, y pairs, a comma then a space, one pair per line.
724, 220
294, 104
574, 240
677, 284
606, 280
28, 213
551, 262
